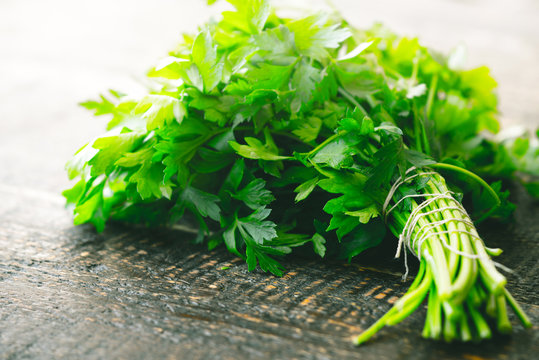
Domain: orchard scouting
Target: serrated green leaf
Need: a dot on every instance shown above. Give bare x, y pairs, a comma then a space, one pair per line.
308, 129
89, 208
151, 182
251, 15
256, 227
177, 154
344, 224
210, 161
333, 154
111, 149
344, 183
305, 189
276, 42
319, 244
230, 240
365, 214
254, 194
387, 158
362, 238
313, 35
157, 110
90, 211
327, 87
418, 159
270, 77
205, 203
135, 158
255, 150
103, 107
251, 258
74, 194
364, 126
256, 253
170, 67
209, 67
233, 180
77, 165
304, 81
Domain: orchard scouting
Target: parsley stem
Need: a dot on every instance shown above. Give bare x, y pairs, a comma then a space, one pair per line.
450, 330
467, 273
325, 142
473, 176
420, 134
419, 276
417, 131
457, 303
434, 315
517, 309
319, 169
350, 98
494, 281
411, 306
440, 273
402, 308
480, 323
465, 332
430, 97
504, 325
374, 328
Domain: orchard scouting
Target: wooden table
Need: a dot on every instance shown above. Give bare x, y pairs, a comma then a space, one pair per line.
137, 293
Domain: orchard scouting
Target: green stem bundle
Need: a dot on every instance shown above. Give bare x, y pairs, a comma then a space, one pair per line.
466, 294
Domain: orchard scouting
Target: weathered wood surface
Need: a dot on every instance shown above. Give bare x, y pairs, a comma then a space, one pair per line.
135, 293
139, 293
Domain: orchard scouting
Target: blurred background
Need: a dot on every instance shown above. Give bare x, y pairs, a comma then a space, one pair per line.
57, 53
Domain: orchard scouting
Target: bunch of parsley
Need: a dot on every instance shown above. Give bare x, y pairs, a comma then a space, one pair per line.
274, 133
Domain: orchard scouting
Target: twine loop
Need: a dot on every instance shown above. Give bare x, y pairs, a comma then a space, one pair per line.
429, 229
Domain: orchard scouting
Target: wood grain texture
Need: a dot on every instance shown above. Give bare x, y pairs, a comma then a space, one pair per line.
68, 292
136, 293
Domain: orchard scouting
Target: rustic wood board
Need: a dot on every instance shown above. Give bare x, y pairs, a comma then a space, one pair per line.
136, 293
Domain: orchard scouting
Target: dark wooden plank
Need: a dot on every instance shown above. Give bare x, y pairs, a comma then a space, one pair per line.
130, 293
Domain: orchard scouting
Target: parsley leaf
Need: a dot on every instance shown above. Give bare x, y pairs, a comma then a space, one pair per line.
309, 115
203, 202
209, 68
254, 194
256, 150
313, 35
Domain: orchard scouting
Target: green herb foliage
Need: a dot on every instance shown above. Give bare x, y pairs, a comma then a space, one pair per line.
258, 118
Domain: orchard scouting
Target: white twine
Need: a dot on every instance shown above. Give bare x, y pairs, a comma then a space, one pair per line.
406, 237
